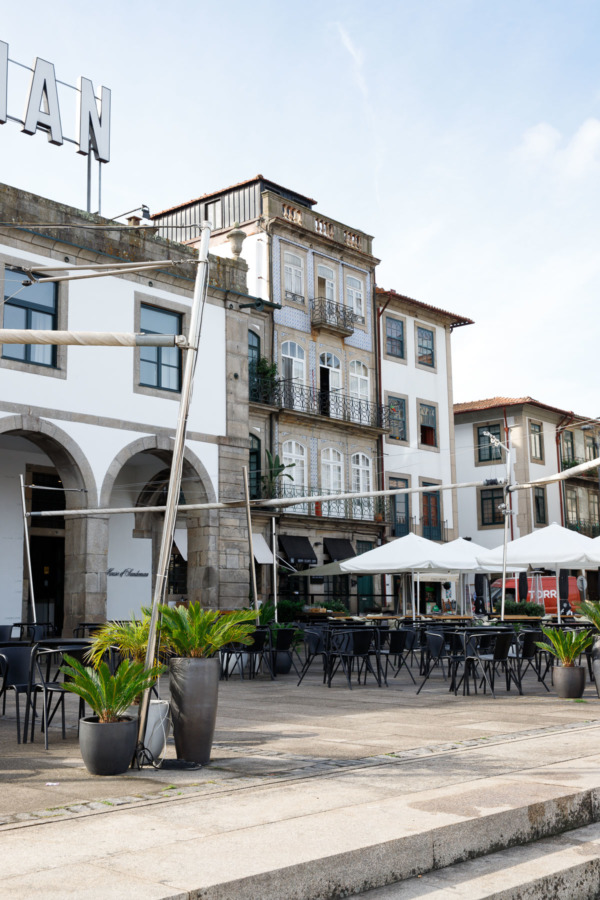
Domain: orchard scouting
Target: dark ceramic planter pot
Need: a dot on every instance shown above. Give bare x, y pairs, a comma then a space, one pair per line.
194, 687
569, 681
107, 748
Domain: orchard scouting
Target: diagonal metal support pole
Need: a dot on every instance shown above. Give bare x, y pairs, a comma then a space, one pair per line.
166, 543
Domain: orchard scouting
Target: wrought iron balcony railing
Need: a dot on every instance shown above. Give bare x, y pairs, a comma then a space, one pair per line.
324, 312
373, 509
584, 526
569, 462
437, 532
289, 394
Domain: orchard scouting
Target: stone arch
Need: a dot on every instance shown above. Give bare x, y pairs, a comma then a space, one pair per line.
84, 596
202, 525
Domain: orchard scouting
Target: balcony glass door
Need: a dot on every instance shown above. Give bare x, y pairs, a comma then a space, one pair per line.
432, 526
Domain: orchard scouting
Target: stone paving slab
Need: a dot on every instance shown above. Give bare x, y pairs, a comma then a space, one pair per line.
309, 788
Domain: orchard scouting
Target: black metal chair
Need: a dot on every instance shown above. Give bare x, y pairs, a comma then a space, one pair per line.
316, 643
354, 647
440, 652
524, 654
397, 648
499, 659
47, 680
15, 669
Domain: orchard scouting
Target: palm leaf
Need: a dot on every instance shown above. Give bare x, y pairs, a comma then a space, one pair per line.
195, 632
566, 645
108, 695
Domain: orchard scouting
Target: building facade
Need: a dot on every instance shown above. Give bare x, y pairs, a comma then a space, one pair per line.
543, 441
96, 424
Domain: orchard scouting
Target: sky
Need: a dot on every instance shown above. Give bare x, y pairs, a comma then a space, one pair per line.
464, 135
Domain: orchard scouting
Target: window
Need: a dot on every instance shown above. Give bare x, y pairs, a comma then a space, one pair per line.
590, 447
254, 472
359, 392
491, 499
254, 391
325, 282
330, 385
292, 367
430, 516
536, 441
160, 367
568, 447
486, 451
362, 507
294, 454
32, 307
539, 500
593, 508
425, 347
293, 277
332, 480
394, 337
397, 418
428, 425
571, 505
354, 297
400, 524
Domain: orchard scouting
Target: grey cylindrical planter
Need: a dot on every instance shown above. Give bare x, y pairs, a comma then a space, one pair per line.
569, 681
107, 748
194, 687
595, 654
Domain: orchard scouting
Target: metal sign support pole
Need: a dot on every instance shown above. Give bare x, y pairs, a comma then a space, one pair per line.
274, 548
27, 549
250, 541
166, 543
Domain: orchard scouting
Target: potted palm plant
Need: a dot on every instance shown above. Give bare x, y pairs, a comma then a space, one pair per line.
194, 636
131, 639
107, 739
567, 646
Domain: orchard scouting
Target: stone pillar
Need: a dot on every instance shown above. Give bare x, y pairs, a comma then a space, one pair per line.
86, 561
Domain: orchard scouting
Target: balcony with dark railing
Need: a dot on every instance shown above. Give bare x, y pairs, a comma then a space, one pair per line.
371, 509
570, 461
332, 316
584, 526
289, 394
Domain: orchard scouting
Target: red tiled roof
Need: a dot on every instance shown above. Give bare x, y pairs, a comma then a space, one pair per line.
230, 188
496, 402
456, 319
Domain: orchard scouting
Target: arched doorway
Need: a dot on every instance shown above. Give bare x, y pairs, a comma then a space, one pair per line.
63, 567
138, 477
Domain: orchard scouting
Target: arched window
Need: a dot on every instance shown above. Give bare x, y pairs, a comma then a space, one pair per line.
332, 480
292, 367
253, 358
330, 384
294, 454
254, 468
359, 392
361, 482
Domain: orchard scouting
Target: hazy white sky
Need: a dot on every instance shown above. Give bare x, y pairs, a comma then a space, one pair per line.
463, 134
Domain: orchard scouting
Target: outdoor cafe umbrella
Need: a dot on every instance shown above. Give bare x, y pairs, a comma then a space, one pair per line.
405, 554
553, 547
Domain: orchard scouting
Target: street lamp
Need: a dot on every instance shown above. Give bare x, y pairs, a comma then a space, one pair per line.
495, 442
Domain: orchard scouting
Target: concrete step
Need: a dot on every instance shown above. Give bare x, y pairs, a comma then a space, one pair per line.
566, 867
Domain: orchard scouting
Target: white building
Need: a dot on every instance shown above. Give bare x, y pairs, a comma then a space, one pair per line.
543, 441
96, 423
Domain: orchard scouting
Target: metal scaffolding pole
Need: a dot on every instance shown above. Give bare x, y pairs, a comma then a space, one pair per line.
166, 543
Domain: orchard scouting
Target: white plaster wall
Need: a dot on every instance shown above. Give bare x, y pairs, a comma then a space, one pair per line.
101, 379
131, 559
255, 252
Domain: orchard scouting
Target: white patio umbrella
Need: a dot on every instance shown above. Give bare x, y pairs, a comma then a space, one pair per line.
553, 547
405, 554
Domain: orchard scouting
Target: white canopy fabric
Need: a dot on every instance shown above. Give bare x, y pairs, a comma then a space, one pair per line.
553, 547
463, 556
406, 554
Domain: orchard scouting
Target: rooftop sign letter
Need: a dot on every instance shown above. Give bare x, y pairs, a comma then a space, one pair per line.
93, 126
43, 91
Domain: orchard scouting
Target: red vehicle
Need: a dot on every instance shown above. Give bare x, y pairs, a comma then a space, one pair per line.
542, 590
